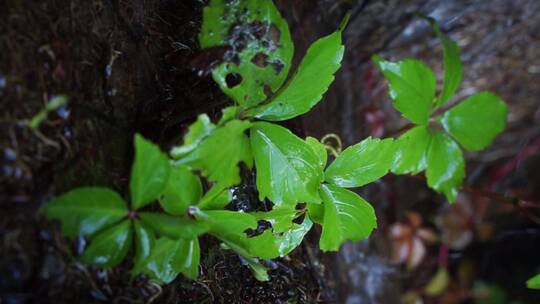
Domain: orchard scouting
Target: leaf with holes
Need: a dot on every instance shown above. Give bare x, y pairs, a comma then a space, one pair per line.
287, 167
308, 84
362, 163
412, 87
84, 211
346, 217
259, 48
476, 121
149, 173
218, 156
445, 166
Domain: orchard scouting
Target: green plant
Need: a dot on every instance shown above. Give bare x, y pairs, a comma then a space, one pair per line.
292, 173
533, 282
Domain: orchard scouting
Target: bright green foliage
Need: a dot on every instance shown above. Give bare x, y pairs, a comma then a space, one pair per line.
83, 211
259, 44
170, 257
412, 87
149, 173
219, 155
199, 130
476, 121
183, 189
109, 247
534, 282
144, 241
453, 69
362, 163
308, 84
287, 167
289, 170
346, 217
411, 153
172, 226
445, 166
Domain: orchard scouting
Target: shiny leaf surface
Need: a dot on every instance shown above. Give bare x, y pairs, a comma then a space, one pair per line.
260, 47
411, 152
346, 217
219, 155
197, 131
173, 227
476, 121
308, 84
109, 247
171, 257
149, 173
182, 190
229, 226
445, 166
287, 170
412, 87
362, 163
216, 198
84, 211
319, 150
144, 241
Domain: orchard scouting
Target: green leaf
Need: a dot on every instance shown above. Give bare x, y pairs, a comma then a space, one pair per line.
219, 154
308, 84
476, 121
109, 247
84, 211
346, 217
144, 241
149, 173
171, 257
534, 282
172, 226
197, 131
259, 271
287, 167
281, 219
452, 64
216, 198
183, 189
411, 153
276, 242
412, 87
319, 149
362, 163
316, 213
228, 114
445, 166
259, 43
229, 226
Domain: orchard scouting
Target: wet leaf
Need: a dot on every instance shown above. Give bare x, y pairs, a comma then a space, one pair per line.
229, 226
216, 198
308, 84
534, 282
411, 153
109, 247
144, 241
219, 155
84, 211
197, 131
412, 87
445, 166
183, 189
319, 150
476, 121
149, 173
453, 69
287, 170
260, 43
173, 227
346, 217
171, 257
362, 163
